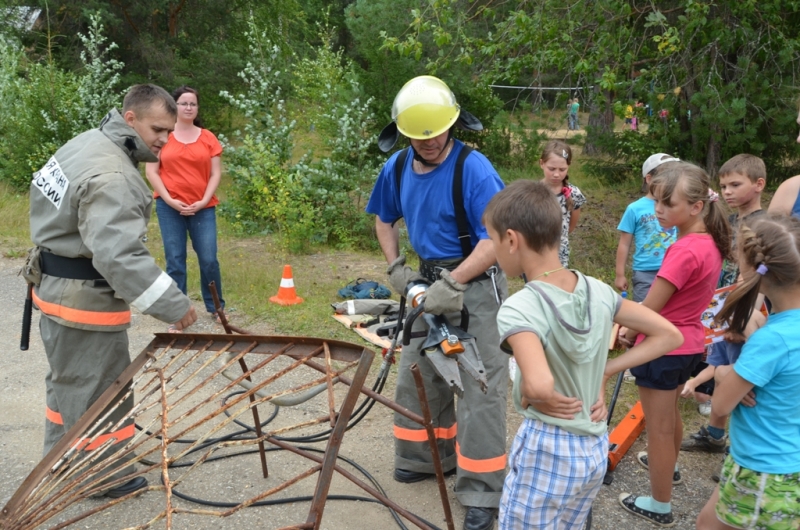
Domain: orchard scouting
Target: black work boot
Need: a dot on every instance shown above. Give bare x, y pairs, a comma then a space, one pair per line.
409, 477
480, 518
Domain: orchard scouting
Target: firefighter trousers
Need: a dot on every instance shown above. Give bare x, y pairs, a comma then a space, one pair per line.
472, 435
83, 364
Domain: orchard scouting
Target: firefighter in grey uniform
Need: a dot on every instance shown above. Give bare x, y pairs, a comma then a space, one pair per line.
443, 217
89, 213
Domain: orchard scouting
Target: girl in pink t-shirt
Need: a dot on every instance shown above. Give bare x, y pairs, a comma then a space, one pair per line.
682, 290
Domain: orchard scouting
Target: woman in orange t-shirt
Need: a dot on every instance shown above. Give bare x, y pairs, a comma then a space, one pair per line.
185, 180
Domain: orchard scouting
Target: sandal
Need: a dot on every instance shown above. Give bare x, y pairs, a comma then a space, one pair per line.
215, 317
173, 329
628, 502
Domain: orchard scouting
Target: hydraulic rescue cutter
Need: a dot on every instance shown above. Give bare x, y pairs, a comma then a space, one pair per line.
449, 348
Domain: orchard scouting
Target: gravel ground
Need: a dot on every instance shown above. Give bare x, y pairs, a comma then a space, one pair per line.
370, 444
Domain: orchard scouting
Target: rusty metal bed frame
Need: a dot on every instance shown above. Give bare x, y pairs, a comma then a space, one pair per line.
173, 398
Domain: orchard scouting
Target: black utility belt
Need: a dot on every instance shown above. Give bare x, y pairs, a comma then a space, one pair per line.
70, 268
430, 270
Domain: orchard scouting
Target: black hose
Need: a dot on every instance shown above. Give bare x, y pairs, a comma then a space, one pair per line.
274, 502
361, 411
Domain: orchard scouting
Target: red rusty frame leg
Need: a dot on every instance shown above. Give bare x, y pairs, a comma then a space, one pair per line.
437, 463
335, 440
256, 419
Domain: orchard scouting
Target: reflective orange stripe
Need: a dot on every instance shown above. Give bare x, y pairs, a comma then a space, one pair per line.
120, 435
420, 435
53, 416
486, 465
80, 316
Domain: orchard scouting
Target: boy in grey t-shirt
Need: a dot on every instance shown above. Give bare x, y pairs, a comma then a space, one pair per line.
558, 327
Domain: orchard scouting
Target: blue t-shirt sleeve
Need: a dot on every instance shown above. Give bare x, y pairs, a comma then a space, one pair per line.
628, 222
385, 200
764, 356
480, 183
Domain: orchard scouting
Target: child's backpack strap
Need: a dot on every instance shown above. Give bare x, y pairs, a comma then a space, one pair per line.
462, 222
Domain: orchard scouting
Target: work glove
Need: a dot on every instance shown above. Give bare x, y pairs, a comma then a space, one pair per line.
445, 295
400, 275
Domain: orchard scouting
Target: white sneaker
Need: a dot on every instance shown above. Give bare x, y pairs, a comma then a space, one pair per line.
704, 408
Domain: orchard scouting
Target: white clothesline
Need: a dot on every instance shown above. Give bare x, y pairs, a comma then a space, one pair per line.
541, 87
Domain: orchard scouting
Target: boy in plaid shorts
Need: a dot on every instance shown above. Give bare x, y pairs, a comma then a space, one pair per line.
558, 328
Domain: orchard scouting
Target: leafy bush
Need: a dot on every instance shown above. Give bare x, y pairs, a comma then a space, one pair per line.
317, 199
625, 152
42, 106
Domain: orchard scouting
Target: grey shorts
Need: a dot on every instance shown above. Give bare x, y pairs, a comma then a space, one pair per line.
642, 280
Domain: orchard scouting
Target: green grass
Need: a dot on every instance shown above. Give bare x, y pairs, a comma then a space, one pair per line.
251, 274
14, 226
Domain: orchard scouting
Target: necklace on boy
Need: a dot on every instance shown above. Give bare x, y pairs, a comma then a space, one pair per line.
547, 273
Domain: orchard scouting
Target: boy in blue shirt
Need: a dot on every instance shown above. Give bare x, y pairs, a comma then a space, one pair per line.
639, 225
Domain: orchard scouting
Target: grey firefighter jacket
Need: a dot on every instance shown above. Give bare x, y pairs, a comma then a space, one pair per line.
90, 201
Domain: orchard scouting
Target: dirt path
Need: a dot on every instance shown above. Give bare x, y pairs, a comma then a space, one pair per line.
370, 444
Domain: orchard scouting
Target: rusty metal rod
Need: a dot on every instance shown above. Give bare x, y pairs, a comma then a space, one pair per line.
329, 380
229, 328
227, 421
437, 463
386, 402
335, 440
262, 453
102, 507
95, 463
146, 369
214, 396
243, 396
355, 480
204, 365
274, 490
164, 452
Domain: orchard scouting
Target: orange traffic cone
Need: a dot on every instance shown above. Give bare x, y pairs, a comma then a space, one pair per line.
286, 293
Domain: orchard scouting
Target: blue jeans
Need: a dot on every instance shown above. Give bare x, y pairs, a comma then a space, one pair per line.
573, 122
202, 229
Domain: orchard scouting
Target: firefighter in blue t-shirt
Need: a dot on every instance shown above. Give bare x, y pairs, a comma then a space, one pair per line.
457, 257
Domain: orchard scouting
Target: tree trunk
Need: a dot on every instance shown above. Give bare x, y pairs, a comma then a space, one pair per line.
712, 152
601, 120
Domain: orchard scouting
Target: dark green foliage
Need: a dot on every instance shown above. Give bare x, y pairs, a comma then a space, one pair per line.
624, 154
320, 198
381, 71
733, 65
173, 42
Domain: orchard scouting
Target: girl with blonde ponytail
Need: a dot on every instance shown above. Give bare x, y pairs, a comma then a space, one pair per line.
681, 291
760, 481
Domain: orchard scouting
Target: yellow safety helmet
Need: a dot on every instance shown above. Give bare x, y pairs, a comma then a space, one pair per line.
424, 108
